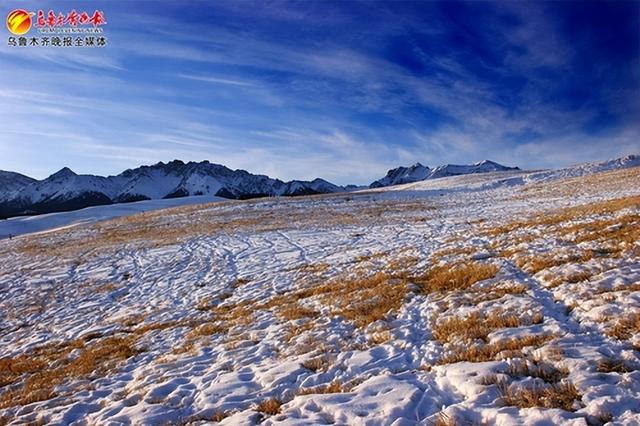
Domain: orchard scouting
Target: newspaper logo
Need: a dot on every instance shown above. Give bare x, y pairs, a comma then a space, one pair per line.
56, 28
19, 21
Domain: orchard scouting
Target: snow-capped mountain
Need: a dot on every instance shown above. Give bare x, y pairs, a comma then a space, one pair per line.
418, 172
11, 182
632, 160
399, 175
66, 190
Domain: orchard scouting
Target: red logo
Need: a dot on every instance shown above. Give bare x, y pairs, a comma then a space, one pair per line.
19, 21
73, 19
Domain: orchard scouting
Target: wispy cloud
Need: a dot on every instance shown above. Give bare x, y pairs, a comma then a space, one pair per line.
217, 80
340, 90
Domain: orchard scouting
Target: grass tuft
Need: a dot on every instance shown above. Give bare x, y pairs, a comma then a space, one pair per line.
454, 277
561, 395
270, 406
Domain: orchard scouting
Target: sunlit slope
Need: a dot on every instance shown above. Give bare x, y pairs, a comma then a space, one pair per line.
496, 304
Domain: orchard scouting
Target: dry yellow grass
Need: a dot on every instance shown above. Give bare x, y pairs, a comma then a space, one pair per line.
610, 365
269, 406
312, 268
105, 288
492, 351
630, 288
482, 294
360, 299
474, 326
367, 300
333, 387
544, 371
380, 337
207, 329
539, 262
604, 226
296, 311
575, 277
553, 218
454, 251
443, 419
296, 330
625, 327
606, 182
171, 226
216, 417
50, 366
560, 395
320, 363
451, 277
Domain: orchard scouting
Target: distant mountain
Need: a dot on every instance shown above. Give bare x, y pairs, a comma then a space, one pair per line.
576, 170
10, 181
66, 190
418, 172
400, 175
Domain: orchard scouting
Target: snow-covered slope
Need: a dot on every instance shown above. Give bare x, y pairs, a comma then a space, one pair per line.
66, 190
418, 172
498, 304
402, 175
11, 182
51, 221
632, 160
455, 169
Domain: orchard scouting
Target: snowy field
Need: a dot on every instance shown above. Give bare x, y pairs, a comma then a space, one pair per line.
488, 299
44, 222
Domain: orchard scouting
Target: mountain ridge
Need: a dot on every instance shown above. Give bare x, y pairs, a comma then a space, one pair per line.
417, 172
66, 190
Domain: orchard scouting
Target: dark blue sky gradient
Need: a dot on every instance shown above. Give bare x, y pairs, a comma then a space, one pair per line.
343, 90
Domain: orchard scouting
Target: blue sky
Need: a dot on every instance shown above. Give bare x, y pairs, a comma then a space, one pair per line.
342, 90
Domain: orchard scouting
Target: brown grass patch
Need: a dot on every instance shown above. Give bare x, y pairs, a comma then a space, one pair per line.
560, 395
622, 230
367, 300
454, 251
296, 312
216, 417
361, 299
333, 387
454, 276
547, 372
270, 406
610, 365
105, 288
560, 216
207, 329
536, 263
312, 268
172, 226
493, 351
50, 367
626, 327
484, 294
443, 419
296, 330
489, 379
320, 363
239, 282
474, 326
573, 278
379, 337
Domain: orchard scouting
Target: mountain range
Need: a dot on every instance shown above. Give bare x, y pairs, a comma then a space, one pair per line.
418, 172
66, 190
